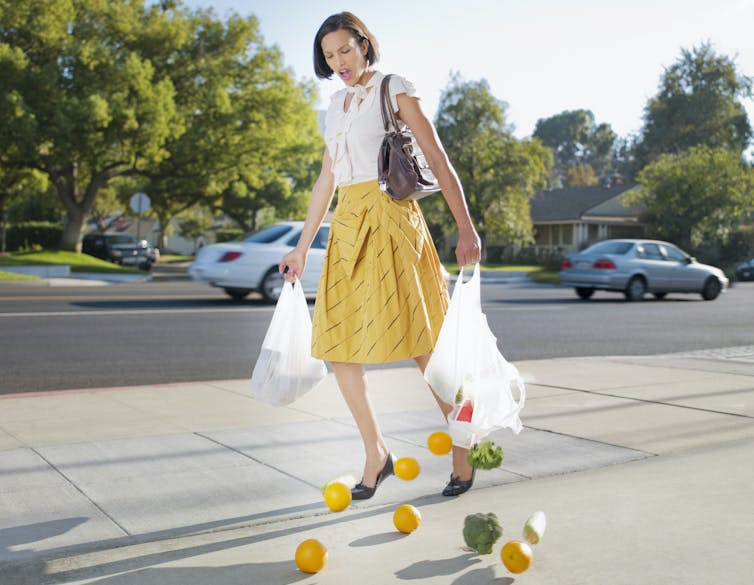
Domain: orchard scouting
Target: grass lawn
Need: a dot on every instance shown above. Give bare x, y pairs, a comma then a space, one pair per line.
171, 258
533, 273
13, 276
77, 262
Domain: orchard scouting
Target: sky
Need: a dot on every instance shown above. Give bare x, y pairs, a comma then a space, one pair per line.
541, 57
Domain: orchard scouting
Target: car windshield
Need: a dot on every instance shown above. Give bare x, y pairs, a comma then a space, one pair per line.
616, 248
268, 234
121, 240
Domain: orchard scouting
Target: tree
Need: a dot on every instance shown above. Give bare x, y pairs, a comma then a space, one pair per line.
81, 103
576, 139
581, 176
499, 173
698, 103
697, 197
14, 184
249, 127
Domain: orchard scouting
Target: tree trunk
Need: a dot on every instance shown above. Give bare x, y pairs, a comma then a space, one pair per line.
162, 241
73, 231
66, 184
3, 223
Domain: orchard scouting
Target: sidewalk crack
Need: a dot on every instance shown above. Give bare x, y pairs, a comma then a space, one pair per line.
254, 459
81, 491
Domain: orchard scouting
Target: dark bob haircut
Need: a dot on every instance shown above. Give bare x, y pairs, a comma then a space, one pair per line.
359, 31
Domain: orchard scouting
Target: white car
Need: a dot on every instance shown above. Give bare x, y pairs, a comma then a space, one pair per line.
252, 263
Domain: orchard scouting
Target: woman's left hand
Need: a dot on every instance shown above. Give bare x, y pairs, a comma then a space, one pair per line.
469, 248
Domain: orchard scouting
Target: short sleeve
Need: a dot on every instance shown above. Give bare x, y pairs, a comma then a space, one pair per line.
398, 85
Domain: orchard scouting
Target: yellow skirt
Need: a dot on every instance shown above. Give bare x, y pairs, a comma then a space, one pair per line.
381, 296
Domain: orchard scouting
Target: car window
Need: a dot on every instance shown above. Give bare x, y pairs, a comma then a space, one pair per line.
617, 248
320, 239
674, 254
649, 252
269, 234
121, 240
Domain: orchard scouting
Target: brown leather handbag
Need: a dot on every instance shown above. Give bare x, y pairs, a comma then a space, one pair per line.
402, 170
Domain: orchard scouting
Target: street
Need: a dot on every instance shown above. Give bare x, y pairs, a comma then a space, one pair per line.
173, 330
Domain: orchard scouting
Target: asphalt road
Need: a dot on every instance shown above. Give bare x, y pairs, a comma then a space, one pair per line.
173, 330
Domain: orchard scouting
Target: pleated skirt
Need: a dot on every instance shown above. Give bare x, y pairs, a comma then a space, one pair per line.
381, 295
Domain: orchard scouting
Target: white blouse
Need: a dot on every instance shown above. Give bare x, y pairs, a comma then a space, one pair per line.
353, 138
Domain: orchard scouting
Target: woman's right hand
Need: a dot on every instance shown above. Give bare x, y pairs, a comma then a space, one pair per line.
295, 260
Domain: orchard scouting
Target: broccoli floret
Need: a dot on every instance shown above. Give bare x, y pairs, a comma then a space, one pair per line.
485, 455
481, 532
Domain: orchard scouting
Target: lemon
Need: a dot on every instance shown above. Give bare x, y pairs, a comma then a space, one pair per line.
311, 556
406, 468
406, 518
440, 443
337, 496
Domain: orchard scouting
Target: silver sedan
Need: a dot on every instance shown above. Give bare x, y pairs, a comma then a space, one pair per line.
637, 267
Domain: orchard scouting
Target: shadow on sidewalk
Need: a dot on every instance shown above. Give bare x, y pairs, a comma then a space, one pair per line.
141, 563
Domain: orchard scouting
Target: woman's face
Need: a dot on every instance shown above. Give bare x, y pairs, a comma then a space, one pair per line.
345, 55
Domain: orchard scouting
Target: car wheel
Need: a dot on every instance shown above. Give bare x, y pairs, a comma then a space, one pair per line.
584, 292
237, 294
635, 289
660, 295
272, 285
712, 288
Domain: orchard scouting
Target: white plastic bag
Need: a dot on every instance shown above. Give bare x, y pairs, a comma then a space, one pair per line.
467, 369
285, 369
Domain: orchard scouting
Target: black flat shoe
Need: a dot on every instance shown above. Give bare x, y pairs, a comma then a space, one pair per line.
456, 486
362, 492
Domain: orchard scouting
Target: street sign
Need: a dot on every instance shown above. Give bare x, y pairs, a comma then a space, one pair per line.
140, 203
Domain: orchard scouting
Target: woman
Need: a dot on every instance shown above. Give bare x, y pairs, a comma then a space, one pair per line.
381, 295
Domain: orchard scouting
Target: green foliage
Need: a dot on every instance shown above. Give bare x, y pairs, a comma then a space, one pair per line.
98, 92
485, 455
499, 173
577, 140
481, 532
32, 235
229, 234
699, 102
696, 197
581, 176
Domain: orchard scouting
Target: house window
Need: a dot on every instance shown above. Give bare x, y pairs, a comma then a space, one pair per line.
542, 237
567, 235
555, 235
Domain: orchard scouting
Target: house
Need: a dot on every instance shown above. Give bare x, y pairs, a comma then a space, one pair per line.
567, 220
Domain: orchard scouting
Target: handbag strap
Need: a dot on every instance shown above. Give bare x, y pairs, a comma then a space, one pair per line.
388, 116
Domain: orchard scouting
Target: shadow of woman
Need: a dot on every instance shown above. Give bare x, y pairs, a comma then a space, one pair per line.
272, 573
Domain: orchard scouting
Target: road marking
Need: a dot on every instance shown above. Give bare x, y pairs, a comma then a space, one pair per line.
533, 307
193, 310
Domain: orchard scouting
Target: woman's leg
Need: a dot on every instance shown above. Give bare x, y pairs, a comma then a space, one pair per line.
461, 467
352, 382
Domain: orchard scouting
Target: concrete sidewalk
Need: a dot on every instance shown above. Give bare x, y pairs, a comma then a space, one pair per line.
642, 464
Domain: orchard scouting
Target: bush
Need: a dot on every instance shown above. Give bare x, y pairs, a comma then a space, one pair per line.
33, 235
525, 256
228, 234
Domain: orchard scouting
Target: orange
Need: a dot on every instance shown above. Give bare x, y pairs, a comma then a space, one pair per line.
516, 556
440, 443
406, 468
337, 496
311, 556
406, 518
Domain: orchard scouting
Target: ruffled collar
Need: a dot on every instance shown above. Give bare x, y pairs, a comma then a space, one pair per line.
362, 92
